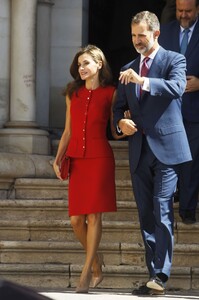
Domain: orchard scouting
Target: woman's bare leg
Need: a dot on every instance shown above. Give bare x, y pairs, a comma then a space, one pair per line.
80, 228
88, 230
94, 234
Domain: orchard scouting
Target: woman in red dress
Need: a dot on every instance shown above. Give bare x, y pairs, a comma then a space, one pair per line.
89, 101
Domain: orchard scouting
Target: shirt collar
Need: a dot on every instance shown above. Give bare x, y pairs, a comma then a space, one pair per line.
190, 28
152, 55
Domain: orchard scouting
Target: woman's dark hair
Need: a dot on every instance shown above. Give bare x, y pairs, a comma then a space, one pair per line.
105, 75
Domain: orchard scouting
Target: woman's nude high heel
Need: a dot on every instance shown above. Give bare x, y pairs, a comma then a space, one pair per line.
97, 280
84, 284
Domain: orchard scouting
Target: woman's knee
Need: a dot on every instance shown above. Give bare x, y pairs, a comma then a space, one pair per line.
94, 218
77, 221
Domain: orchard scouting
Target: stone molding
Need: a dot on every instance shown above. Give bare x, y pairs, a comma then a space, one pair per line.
14, 165
50, 2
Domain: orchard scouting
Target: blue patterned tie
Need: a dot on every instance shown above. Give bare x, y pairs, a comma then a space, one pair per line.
184, 43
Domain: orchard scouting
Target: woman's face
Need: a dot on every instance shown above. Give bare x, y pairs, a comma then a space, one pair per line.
87, 67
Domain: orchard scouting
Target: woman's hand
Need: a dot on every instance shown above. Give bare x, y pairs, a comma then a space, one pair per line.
56, 168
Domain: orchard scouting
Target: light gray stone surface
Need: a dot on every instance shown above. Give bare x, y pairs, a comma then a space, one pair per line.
114, 295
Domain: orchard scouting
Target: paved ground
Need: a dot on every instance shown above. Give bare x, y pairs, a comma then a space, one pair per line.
117, 295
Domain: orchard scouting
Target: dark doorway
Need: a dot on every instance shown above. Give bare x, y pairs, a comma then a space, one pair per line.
109, 27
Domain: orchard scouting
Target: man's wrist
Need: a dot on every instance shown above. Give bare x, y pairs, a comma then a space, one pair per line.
119, 131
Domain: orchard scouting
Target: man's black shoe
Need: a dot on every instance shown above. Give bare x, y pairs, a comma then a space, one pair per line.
143, 290
188, 217
156, 283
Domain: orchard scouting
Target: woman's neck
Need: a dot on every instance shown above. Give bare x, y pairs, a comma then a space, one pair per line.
92, 84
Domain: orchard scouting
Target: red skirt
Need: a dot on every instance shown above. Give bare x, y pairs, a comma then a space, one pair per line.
92, 186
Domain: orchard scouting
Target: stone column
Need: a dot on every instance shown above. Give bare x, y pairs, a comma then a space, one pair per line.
43, 62
22, 105
4, 61
22, 133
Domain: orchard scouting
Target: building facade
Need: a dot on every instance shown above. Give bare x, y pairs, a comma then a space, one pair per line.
38, 39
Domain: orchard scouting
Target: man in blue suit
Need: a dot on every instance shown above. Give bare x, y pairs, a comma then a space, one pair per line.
158, 143
171, 38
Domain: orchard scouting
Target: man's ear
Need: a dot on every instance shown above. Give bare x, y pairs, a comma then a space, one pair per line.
156, 34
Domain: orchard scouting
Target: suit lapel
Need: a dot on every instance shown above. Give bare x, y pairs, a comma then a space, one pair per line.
131, 88
157, 63
194, 40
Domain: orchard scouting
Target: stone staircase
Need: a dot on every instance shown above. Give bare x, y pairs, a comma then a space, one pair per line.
38, 248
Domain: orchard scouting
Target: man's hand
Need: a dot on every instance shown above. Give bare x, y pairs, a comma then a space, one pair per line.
192, 84
127, 126
127, 114
130, 76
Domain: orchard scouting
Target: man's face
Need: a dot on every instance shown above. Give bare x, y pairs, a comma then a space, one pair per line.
186, 12
143, 39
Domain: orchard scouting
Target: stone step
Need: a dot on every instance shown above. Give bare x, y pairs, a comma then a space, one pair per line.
38, 276
122, 171
25, 209
127, 211
45, 252
120, 149
60, 230
38, 247
62, 276
129, 277
57, 209
54, 189
39, 188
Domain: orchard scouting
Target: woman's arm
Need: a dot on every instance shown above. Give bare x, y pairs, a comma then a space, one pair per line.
64, 141
113, 129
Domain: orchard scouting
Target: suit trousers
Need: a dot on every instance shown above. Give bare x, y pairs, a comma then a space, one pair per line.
154, 184
189, 172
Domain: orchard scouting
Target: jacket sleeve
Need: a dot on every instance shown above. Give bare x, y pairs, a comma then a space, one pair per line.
171, 81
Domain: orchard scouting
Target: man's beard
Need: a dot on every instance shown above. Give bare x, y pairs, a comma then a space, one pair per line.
145, 49
186, 23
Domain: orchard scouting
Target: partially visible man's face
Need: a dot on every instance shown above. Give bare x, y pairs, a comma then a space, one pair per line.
186, 12
143, 39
